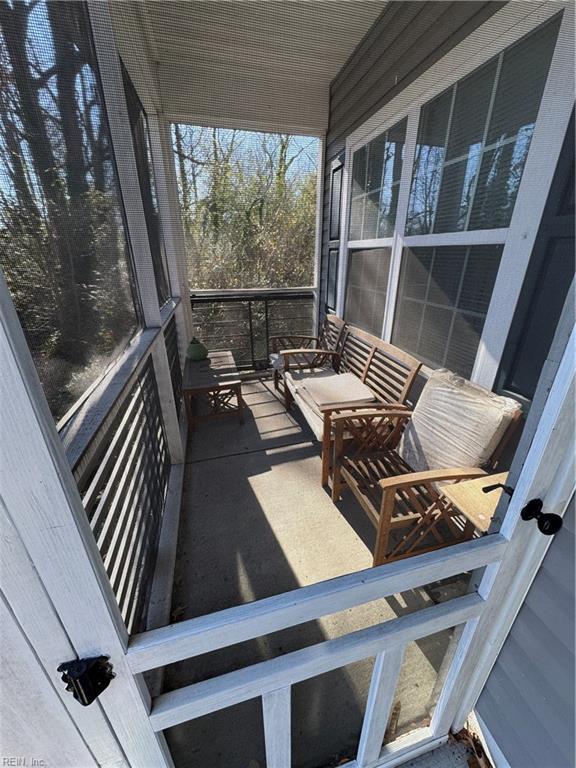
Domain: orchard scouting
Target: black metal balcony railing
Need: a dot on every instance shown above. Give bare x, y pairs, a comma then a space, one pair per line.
244, 321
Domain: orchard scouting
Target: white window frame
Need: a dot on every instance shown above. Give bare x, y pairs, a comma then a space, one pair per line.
504, 28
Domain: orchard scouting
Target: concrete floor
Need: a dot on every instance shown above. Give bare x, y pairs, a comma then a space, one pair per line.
255, 522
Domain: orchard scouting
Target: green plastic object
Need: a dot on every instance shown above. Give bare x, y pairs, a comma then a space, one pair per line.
196, 350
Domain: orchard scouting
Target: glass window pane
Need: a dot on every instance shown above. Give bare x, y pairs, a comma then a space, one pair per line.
479, 278
376, 173
461, 353
356, 216
456, 193
498, 183
63, 246
359, 171
388, 207
376, 152
474, 184
332, 280
445, 275
371, 209
428, 164
470, 112
521, 84
443, 298
143, 155
366, 288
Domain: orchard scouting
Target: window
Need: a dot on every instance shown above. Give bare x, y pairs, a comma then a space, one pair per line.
377, 168
335, 194
366, 288
471, 145
63, 247
473, 141
332, 279
143, 155
442, 303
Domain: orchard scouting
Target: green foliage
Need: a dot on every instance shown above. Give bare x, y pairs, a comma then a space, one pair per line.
248, 203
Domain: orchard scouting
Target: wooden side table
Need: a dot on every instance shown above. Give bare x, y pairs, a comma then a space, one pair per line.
214, 381
477, 507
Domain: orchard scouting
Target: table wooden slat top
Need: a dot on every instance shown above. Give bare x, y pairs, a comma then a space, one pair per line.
219, 368
470, 499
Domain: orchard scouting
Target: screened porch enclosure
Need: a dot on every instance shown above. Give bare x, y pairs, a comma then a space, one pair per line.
241, 605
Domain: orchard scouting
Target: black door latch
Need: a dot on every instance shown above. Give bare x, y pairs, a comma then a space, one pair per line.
548, 523
87, 678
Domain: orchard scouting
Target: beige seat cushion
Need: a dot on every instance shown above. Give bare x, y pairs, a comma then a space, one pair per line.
296, 379
455, 424
343, 388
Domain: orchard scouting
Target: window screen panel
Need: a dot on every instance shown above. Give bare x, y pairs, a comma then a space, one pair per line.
63, 246
366, 287
443, 298
377, 168
473, 141
143, 154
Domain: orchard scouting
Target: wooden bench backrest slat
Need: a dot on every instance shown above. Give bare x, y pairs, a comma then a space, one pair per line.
331, 333
387, 370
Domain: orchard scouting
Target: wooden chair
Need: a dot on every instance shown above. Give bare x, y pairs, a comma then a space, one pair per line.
395, 460
387, 371
328, 339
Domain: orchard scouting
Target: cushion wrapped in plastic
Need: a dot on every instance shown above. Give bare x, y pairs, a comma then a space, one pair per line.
455, 424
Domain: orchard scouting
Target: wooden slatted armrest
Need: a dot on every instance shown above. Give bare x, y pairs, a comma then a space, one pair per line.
308, 351
327, 409
370, 412
431, 476
293, 338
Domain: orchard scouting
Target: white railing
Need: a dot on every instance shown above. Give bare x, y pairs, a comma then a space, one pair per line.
272, 679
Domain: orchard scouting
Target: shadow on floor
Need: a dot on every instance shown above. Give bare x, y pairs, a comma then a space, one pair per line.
256, 522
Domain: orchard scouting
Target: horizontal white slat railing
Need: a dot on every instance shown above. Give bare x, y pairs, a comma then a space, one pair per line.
187, 639
199, 699
272, 680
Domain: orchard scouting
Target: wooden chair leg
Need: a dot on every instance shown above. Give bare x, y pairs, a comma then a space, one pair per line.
276, 379
189, 410
326, 435
287, 396
336, 466
383, 536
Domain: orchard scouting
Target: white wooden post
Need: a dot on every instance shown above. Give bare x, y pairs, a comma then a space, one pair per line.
119, 122
43, 503
277, 729
172, 206
320, 178
379, 704
172, 227
548, 473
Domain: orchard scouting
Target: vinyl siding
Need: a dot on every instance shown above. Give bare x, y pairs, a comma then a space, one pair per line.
528, 701
406, 39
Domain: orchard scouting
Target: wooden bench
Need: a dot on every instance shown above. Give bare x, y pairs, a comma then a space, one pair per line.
386, 372
215, 382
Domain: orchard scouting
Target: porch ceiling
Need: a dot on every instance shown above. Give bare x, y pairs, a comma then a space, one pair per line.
261, 64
